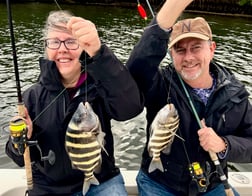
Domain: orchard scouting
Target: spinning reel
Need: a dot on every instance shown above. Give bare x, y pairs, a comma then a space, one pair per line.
18, 131
199, 177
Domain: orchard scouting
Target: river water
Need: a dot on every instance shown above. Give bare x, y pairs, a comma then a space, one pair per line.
119, 28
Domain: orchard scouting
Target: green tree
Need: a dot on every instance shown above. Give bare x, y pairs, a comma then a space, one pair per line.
245, 2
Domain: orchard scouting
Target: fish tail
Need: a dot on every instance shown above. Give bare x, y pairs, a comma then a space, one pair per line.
87, 184
156, 164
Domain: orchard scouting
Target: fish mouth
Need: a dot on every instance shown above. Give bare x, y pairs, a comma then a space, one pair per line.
171, 107
173, 110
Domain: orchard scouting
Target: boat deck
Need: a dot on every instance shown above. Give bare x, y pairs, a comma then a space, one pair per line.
13, 182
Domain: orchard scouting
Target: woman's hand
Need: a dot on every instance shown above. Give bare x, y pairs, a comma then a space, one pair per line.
28, 123
86, 34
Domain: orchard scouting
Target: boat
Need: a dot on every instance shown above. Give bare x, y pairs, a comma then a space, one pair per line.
13, 182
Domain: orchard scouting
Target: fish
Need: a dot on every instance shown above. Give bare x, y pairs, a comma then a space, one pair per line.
84, 143
162, 131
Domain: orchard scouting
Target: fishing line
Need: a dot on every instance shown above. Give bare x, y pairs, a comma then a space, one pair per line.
85, 68
142, 12
213, 155
86, 84
57, 5
150, 8
48, 106
168, 89
18, 86
43, 111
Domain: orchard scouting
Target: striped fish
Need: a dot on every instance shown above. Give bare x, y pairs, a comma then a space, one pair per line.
84, 143
162, 131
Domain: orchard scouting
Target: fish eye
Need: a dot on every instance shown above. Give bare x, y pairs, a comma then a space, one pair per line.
77, 118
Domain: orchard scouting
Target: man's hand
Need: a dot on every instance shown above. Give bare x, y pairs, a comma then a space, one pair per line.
209, 140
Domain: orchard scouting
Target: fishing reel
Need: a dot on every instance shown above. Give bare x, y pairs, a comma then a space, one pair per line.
199, 177
18, 131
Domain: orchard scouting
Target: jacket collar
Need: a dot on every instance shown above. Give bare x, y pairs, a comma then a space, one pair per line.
49, 75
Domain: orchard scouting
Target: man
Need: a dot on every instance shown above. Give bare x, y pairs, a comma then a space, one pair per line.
218, 99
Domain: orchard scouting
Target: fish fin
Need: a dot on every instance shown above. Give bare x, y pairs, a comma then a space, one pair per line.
87, 184
178, 136
167, 150
97, 169
150, 153
73, 166
100, 140
148, 147
103, 148
156, 164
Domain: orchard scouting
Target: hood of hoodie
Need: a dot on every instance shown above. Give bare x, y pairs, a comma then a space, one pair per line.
49, 75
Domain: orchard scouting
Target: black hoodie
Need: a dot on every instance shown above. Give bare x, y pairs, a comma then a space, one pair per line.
228, 111
112, 93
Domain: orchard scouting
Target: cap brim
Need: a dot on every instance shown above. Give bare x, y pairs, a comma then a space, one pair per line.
186, 35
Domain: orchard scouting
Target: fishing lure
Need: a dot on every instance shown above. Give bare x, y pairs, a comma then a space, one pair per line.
141, 11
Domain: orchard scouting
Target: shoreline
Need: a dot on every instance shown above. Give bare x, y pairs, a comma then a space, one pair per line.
204, 9
217, 13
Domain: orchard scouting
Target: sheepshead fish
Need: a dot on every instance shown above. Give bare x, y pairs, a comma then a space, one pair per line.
84, 143
162, 132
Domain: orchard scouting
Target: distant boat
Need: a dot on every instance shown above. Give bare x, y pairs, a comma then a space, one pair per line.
13, 182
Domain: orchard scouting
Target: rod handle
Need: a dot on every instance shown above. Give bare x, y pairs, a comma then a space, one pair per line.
26, 155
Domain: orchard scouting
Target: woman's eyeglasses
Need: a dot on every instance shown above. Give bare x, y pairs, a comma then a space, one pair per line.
54, 43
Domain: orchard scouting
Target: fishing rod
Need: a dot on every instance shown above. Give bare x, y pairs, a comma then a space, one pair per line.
18, 128
213, 155
150, 8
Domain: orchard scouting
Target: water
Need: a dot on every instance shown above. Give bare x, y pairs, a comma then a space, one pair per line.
119, 28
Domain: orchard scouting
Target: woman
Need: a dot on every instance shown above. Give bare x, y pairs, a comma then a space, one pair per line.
76, 68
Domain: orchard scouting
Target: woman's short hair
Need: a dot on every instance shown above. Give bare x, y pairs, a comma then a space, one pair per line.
56, 21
